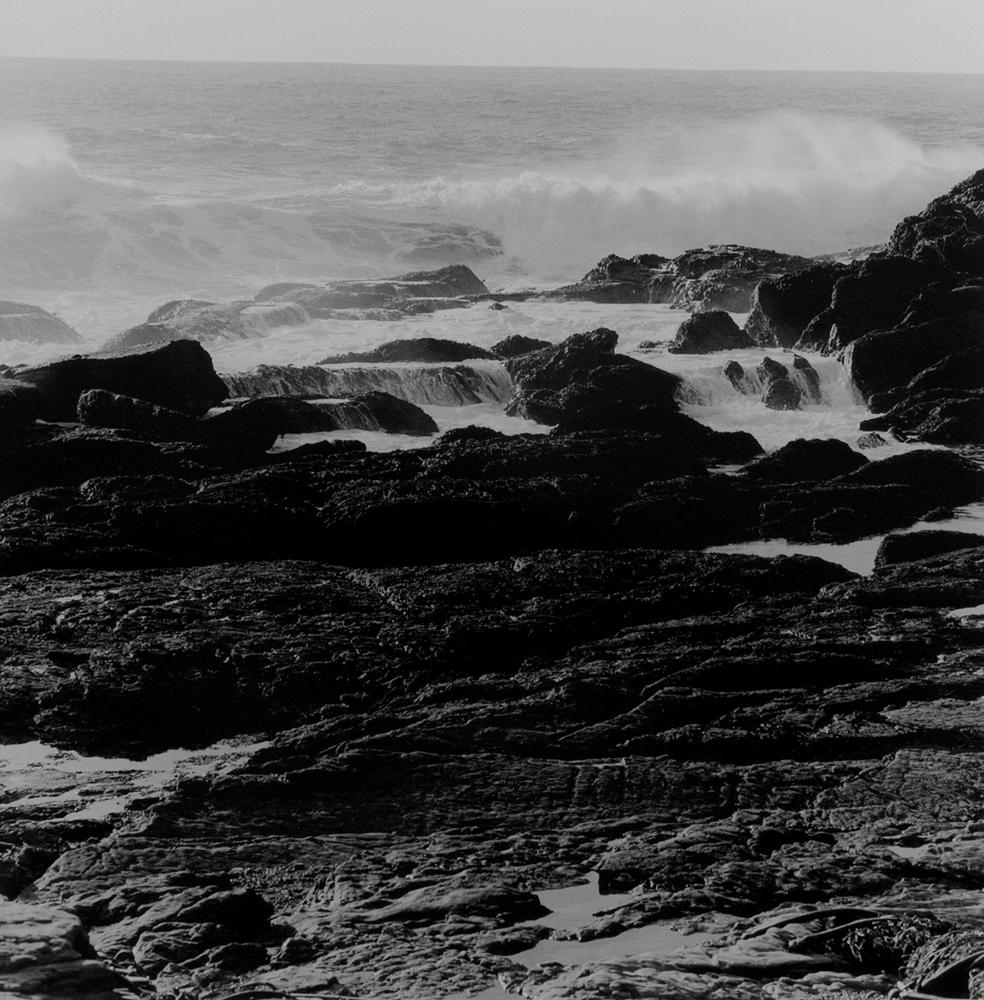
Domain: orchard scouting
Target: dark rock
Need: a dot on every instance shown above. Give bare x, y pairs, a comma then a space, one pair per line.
782, 394
873, 295
582, 372
708, 331
179, 376
438, 385
942, 416
427, 349
401, 294
516, 345
459, 435
720, 277
870, 440
18, 403
783, 307
963, 370
811, 460
935, 476
381, 411
949, 231
808, 379
889, 359
19, 321
715, 277
99, 408
735, 374
912, 545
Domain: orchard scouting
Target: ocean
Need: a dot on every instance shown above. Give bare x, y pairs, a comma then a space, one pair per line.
124, 184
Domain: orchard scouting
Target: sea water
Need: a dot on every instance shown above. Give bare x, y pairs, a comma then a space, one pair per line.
123, 184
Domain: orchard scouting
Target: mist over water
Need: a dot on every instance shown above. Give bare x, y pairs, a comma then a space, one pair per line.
124, 184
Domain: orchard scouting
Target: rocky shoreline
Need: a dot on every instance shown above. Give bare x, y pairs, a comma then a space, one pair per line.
427, 687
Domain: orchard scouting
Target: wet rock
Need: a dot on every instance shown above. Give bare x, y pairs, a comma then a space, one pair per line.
906, 547
705, 332
873, 295
584, 371
949, 231
808, 379
869, 441
953, 417
406, 293
782, 394
18, 404
503, 904
178, 375
963, 370
889, 359
99, 408
783, 307
208, 323
933, 476
427, 349
714, 277
810, 460
45, 953
735, 374
19, 321
516, 344
438, 385
945, 964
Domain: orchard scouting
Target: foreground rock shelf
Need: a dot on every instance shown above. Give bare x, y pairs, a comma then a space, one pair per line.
461, 677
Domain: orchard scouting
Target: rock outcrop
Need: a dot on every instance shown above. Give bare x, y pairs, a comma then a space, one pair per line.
33, 324
426, 349
705, 332
178, 375
720, 277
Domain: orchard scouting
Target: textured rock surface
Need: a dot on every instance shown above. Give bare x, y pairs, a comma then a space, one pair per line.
19, 321
177, 375
708, 331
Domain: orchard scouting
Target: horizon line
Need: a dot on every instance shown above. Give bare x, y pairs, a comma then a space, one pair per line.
505, 66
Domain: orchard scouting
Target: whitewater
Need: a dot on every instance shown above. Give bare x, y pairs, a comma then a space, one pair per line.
124, 185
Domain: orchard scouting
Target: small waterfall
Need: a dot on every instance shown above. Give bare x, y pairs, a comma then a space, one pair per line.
425, 385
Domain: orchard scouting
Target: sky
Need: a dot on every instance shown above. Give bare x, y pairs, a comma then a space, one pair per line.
878, 35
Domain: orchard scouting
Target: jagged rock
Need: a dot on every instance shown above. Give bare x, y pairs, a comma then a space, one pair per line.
889, 359
949, 231
781, 392
516, 345
815, 459
808, 378
873, 295
870, 440
942, 416
584, 371
783, 307
714, 277
45, 953
441, 385
19, 321
735, 374
426, 349
99, 408
407, 293
178, 375
708, 331
897, 548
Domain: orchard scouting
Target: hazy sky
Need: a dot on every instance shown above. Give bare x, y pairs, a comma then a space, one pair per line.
906, 35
